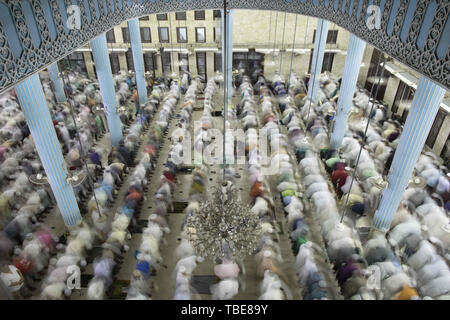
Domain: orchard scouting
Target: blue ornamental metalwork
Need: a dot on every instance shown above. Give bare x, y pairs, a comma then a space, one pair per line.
36, 33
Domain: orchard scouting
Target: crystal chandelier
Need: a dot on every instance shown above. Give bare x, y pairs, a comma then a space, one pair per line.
223, 227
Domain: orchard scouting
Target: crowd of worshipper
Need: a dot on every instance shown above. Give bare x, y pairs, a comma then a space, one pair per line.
28, 245
187, 259
420, 221
149, 257
103, 228
323, 193
114, 228
268, 257
118, 230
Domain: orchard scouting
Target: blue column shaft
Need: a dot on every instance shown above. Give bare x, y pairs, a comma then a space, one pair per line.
105, 80
34, 106
423, 110
230, 54
58, 84
316, 64
355, 52
223, 42
136, 48
229, 42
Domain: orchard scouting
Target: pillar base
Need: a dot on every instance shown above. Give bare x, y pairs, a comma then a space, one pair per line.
376, 232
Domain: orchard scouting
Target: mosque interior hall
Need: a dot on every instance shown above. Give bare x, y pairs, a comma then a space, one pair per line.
224, 150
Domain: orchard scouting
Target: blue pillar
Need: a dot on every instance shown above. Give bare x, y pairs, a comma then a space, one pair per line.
105, 80
136, 48
58, 84
355, 52
230, 54
34, 106
229, 42
423, 110
316, 64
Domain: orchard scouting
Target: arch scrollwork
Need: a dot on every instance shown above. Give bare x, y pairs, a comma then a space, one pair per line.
423, 60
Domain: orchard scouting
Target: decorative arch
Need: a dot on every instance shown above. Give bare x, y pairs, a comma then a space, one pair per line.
414, 32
